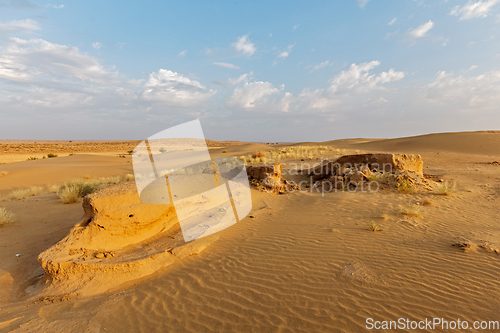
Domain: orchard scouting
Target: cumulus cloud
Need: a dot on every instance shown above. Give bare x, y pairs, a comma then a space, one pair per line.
96, 45
362, 3
53, 79
19, 26
251, 95
481, 91
174, 89
182, 53
474, 9
225, 65
244, 46
392, 21
358, 78
36, 60
422, 30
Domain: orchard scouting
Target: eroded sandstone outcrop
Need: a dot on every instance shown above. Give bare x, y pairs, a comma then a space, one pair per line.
384, 163
270, 178
120, 239
403, 170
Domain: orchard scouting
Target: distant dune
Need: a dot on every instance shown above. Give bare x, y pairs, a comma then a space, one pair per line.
479, 143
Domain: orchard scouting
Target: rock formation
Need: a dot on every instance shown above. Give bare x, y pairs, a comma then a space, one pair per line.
120, 239
270, 178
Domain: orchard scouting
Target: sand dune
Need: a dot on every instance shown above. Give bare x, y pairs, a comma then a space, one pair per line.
478, 143
304, 262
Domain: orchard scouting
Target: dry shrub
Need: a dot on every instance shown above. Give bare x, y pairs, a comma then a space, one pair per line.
384, 216
74, 189
25, 193
446, 188
6, 217
70, 194
412, 210
259, 154
406, 185
53, 188
374, 227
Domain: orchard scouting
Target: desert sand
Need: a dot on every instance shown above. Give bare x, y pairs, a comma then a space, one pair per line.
300, 262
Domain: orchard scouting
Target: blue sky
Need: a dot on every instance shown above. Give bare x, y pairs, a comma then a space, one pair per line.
259, 71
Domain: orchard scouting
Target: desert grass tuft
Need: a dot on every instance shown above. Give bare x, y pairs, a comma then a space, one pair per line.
3, 173
259, 154
446, 188
75, 189
406, 186
70, 194
374, 227
412, 210
6, 217
25, 193
71, 191
53, 188
51, 155
384, 216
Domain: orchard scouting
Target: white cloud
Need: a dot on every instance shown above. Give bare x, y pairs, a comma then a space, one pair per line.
173, 89
182, 53
51, 77
54, 6
422, 30
362, 3
318, 66
242, 78
96, 45
344, 90
460, 92
392, 21
473, 67
358, 79
19, 26
251, 95
474, 9
37, 60
244, 46
286, 53
295, 27
225, 65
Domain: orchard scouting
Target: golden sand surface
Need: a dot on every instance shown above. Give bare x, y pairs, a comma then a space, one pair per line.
301, 262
